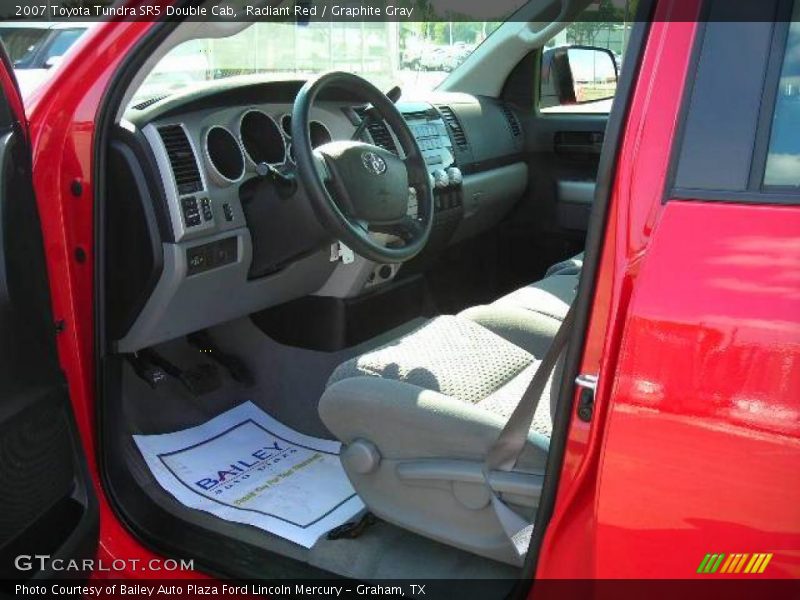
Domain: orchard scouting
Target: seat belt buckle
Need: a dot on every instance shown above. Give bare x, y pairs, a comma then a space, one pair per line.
587, 383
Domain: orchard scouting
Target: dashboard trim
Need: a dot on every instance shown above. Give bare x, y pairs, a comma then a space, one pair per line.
249, 161
152, 135
218, 177
494, 177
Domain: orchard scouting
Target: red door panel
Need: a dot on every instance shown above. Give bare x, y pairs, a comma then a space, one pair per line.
702, 448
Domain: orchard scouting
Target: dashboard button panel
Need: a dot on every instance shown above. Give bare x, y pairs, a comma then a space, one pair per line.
191, 212
205, 257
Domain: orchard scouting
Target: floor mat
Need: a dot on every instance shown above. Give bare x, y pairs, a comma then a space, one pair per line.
246, 467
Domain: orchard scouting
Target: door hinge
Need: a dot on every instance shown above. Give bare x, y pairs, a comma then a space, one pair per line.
588, 385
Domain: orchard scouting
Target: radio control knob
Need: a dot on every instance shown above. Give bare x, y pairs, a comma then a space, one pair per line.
454, 175
440, 178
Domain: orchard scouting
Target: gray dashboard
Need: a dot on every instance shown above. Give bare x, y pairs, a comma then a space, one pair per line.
203, 151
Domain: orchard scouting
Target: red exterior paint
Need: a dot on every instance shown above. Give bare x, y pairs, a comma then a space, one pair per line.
694, 335
62, 118
695, 442
702, 446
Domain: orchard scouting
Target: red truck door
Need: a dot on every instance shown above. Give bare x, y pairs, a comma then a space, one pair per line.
689, 466
48, 508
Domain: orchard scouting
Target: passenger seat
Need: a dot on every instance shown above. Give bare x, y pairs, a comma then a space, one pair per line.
417, 416
530, 316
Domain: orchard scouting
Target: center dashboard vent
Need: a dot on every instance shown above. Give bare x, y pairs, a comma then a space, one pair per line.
513, 122
459, 137
181, 158
379, 132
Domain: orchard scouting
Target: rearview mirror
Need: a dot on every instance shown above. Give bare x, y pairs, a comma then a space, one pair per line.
577, 75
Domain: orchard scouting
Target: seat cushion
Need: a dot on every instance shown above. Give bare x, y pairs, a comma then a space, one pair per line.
448, 354
571, 266
551, 296
437, 398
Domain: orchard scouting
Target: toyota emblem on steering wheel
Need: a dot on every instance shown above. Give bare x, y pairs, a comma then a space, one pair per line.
373, 163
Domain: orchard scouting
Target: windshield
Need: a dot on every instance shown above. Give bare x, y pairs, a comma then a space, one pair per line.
415, 56
22, 43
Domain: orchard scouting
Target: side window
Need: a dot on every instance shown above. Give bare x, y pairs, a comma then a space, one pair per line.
783, 156
747, 148
580, 66
63, 41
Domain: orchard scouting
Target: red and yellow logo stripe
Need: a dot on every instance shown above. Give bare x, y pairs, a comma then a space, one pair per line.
753, 564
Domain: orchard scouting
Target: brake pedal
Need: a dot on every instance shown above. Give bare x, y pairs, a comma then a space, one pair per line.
202, 379
235, 366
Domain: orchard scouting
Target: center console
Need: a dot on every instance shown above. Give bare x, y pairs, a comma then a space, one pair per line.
433, 138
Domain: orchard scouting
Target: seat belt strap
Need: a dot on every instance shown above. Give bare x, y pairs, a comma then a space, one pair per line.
507, 448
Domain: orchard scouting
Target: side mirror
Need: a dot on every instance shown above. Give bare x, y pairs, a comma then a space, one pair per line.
53, 61
577, 75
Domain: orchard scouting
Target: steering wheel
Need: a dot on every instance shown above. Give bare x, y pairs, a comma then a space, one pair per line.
357, 188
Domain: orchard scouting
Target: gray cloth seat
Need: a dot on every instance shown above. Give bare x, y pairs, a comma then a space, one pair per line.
570, 266
417, 416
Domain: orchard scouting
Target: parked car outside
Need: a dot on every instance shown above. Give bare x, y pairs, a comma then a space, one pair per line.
35, 48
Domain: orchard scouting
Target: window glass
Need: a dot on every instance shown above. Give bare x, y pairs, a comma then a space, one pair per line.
417, 56
63, 41
783, 158
21, 43
580, 65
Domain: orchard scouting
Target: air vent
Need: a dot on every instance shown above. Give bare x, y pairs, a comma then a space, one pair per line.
149, 102
513, 123
182, 159
459, 137
379, 133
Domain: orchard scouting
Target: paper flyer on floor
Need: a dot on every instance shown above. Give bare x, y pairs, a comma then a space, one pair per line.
245, 466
